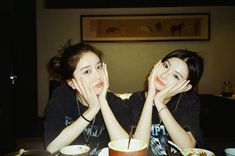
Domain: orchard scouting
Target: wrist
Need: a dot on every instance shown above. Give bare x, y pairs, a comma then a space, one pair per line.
93, 110
159, 102
159, 105
151, 93
85, 118
162, 109
89, 114
102, 98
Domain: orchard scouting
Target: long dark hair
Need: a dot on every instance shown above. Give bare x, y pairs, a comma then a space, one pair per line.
193, 61
70, 56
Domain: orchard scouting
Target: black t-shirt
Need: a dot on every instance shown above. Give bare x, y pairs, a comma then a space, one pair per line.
62, 110
186, 113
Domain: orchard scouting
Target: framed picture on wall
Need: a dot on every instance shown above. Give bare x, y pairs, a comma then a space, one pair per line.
160, 27
65, 4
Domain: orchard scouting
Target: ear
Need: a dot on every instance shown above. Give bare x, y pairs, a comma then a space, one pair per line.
71, 84
189, 86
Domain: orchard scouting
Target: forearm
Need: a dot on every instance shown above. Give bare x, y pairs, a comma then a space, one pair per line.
115, 130
179, 136
143, 129
70, 133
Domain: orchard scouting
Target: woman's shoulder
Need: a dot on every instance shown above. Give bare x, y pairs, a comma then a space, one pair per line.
111, 96
63, 90
191, 95
139, 95
188, 99
137, 99
62, 95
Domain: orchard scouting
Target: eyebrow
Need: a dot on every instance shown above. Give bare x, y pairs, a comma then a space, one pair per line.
89, 66
175, 70
84, 68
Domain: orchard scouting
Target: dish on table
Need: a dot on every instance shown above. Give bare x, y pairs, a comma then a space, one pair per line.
104, 152
186, 152
197, 152
29, 153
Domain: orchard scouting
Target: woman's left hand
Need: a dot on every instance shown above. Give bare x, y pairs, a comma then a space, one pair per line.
178, 87
105, 79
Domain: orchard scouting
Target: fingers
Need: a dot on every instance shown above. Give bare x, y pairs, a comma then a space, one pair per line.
189, 86
77, 85
183, 86
176, 88
157, 66
151, 82
154, 70
179, 87
158, 63
83, 87
106, 77
105, 70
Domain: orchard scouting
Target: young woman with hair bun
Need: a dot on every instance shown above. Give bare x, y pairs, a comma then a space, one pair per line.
83, 111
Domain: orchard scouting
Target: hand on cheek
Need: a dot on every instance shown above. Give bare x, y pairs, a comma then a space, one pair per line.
151, 82
178, 87
86, 91
173, 89
105, 80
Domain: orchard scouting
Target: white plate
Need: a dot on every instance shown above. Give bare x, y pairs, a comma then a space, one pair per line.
186, 151
104, 152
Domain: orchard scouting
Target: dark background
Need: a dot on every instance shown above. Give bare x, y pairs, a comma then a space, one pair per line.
18, 106
132, 3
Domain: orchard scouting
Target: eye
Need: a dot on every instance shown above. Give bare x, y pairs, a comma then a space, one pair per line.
176, 76
165, 65
87, 71
100, 66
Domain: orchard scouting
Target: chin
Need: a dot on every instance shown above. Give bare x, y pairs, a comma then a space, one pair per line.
159, 87
98, 91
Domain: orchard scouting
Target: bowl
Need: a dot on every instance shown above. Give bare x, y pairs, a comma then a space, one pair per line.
75, 150
230, 151
120, 148
197, 152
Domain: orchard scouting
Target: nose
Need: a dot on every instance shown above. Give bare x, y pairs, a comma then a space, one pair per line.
165, 74
96, 74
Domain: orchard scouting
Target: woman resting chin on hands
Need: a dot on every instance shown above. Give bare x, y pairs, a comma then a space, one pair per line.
78, 111
170, 107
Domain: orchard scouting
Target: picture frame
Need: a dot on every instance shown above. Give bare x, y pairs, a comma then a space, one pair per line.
154, 27
71, 4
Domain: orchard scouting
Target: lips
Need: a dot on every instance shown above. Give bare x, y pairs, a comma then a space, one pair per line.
99, 85
160, 82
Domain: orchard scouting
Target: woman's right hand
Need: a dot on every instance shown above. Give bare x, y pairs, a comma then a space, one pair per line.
87, 92
151, 83
105, 78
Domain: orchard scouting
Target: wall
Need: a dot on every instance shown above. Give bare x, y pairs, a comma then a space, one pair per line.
129, 62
